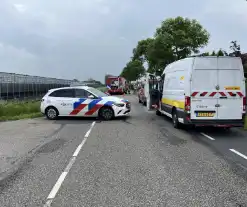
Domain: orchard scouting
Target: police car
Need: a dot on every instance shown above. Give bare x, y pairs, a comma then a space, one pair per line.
83, 101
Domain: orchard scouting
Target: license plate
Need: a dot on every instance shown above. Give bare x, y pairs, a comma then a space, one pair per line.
205, 114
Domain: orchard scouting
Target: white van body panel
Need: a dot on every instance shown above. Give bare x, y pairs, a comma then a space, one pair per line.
176, 82
215, 77
203, 79
216, 86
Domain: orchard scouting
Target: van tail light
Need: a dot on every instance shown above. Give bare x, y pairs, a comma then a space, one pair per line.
187, 103
244, 104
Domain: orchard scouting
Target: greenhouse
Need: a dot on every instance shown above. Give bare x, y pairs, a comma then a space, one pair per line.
19, 86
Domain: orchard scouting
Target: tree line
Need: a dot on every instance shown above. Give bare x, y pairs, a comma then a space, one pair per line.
176, 38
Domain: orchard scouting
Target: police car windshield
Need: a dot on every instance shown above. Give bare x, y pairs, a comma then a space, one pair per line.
97, 92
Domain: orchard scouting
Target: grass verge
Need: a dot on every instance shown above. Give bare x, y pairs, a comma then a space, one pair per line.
19, 110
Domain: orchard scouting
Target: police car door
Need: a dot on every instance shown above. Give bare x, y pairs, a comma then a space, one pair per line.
62, 99
81, 103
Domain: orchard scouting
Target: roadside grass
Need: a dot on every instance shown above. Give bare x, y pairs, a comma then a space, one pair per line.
19, 110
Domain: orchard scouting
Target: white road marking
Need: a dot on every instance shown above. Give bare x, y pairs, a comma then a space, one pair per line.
71, 162
48, 203
78, 149
89, 131
205, 135
57, 185
238, 153
62, 177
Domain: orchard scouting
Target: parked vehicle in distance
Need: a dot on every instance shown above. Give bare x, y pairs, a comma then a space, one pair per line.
117, 85
83, 101
147, 89
201, 91
141, 95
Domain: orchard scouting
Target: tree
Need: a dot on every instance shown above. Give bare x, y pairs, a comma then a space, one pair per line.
184, 36
159, 55
244, 58
220, 53
235, 48
245, 67
175, 39
225, 53
140, 52
133, 70
213, 53
244, 62
236, 52
205, 54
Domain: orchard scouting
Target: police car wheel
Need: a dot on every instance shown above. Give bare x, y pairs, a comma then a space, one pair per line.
51, 113
106, 113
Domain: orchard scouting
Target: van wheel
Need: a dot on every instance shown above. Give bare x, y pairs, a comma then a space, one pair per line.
158, 113
51, 113
106, 113
175, 119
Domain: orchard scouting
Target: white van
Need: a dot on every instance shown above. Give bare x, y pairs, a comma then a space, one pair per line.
204, 91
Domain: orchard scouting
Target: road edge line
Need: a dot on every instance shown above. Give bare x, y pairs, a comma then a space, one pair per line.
63, 175
238, 153
207, 136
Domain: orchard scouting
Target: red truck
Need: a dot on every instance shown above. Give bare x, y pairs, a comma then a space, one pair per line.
116, 85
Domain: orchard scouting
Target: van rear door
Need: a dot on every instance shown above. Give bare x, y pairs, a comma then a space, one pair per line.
217, 88
231, 85
204, 98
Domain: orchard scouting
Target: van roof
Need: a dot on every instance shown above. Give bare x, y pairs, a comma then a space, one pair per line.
191, 59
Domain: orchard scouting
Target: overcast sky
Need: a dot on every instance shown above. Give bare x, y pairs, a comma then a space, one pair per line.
89, 38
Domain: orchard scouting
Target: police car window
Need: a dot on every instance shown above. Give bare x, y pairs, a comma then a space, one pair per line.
65, 93
80, 93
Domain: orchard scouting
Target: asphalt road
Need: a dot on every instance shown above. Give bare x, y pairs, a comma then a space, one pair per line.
138, 161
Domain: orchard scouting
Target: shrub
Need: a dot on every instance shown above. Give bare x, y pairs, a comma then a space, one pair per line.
17, 110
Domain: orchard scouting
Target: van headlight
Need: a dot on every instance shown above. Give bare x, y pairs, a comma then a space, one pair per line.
119, 104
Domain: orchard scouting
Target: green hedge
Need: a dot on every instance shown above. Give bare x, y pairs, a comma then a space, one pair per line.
19, 110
